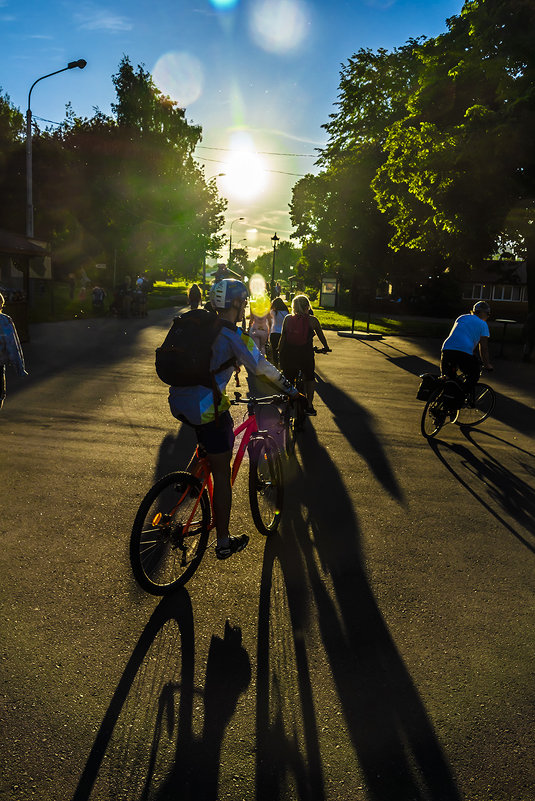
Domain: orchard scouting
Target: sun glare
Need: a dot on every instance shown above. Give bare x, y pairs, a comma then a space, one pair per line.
245, 174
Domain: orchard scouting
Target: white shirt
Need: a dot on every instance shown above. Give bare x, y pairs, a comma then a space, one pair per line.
278, 317
466, 333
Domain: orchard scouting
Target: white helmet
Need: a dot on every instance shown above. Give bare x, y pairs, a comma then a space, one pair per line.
223, 293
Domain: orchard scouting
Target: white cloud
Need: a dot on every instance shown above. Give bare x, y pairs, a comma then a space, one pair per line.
92, 18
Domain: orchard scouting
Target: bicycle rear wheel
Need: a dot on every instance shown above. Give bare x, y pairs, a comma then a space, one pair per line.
265, 484
434, 416
170, 533
483, 406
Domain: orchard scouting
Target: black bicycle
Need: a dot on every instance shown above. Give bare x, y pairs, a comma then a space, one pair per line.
295, 414
450, 402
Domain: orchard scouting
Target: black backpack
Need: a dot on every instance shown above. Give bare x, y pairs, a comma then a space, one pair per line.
183, 359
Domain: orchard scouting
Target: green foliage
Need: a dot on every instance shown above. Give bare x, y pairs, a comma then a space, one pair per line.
430, 152
121, 190
287, 257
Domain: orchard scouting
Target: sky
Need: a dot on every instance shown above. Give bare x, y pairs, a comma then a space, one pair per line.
259, 76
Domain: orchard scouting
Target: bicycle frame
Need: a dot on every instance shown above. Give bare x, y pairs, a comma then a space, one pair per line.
199, 467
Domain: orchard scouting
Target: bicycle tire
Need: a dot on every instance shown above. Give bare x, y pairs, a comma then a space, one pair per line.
162, 558
265, 484
484, 403
434, 415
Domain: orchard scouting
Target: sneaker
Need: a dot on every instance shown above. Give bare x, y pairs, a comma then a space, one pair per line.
310, 410
235, 545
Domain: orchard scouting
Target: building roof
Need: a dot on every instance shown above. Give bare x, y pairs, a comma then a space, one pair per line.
18, 245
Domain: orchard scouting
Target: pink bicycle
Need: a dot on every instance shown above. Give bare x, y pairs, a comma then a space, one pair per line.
171, 529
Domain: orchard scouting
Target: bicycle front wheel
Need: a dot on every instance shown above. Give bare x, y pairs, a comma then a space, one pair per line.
434, 416
170, 533
473, 414
265, 484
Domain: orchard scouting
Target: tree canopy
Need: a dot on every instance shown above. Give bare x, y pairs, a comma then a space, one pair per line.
122, 188
430, 152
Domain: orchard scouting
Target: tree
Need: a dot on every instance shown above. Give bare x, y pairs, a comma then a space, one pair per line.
460, 167
335, 213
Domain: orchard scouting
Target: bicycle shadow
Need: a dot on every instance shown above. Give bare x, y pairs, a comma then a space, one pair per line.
509, 411
357, 426
491, 483
387, 724
146, 747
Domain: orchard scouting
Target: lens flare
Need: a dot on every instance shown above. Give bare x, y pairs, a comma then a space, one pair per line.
279, 26
224, 4
180, 76
257, 285
260, 304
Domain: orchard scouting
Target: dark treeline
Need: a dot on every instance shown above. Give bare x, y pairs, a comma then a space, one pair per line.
121, 189
429, 165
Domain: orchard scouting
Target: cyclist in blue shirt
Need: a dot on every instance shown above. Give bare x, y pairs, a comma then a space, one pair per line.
470, 331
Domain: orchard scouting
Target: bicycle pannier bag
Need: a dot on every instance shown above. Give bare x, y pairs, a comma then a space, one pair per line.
428, 384
296, 328
183, 359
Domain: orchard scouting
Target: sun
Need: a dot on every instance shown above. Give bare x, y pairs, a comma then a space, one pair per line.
245, 174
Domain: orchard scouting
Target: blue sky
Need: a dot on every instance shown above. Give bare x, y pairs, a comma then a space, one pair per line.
259, 76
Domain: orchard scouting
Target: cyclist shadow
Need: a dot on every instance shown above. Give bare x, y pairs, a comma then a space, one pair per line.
491, 483
356, 424
387, 723
175, 451
145, 747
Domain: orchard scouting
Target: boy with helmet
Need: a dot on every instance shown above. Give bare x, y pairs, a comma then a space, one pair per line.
469, 331
214, 427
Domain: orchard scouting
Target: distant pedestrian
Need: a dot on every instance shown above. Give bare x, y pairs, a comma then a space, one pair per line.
279, 310
10, 350
260, 322
194, 296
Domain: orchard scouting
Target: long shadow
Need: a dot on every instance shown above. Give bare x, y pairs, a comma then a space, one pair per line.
155, 753
357, 426
498, 484
68, 346
388, 726
288, 755
509, 411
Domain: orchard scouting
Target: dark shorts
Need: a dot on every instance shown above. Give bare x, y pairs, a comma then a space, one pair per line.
295, 358
217, 436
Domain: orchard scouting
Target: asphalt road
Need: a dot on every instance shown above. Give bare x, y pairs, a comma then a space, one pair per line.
381, 647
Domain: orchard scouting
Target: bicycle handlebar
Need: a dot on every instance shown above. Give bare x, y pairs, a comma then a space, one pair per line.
268, 399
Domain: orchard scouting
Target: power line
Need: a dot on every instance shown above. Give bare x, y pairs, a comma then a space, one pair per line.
280, 172
53, 122
263, 152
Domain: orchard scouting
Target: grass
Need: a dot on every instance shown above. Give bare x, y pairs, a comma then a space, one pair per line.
55, 303
404, 325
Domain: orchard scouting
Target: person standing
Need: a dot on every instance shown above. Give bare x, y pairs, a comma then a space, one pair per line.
10, 350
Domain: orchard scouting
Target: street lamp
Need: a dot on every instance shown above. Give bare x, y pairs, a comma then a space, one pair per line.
81, 63
218, 175
274, 239
230, 241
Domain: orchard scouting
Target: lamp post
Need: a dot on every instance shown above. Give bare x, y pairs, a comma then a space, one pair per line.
219, 175
274, 239
81, 63
230, 241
